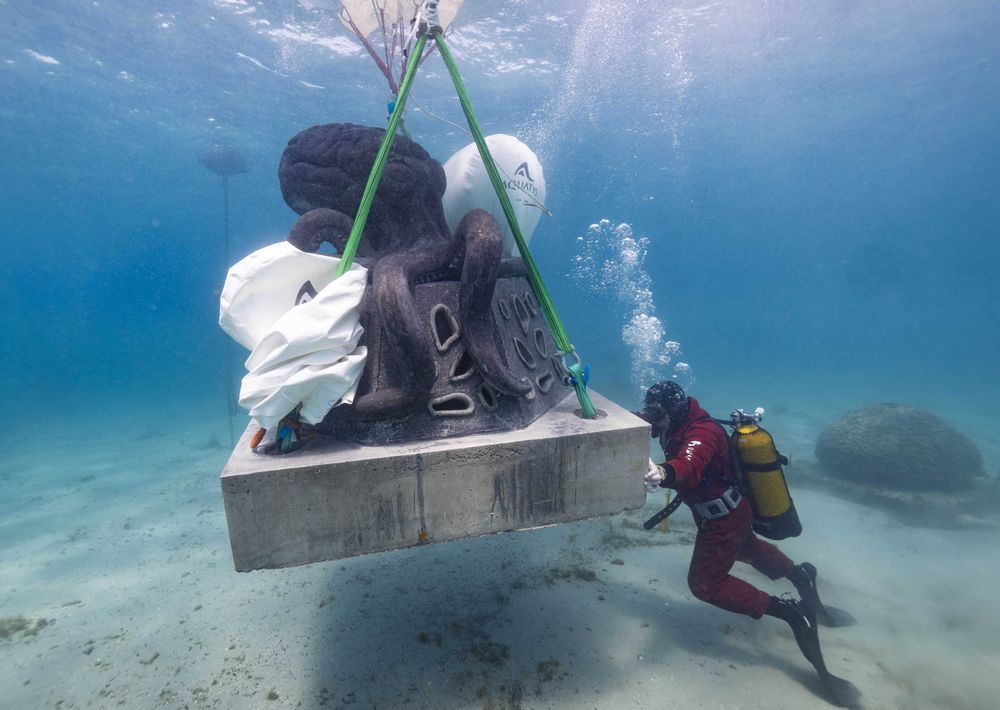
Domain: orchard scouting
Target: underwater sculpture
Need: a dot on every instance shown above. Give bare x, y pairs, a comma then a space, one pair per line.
908, 462
413, 339
899, 448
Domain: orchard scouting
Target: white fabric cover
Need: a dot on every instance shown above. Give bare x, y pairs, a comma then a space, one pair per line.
304, 346
469, 186
261, 287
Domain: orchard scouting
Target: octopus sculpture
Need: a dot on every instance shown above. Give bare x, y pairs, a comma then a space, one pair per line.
405, 242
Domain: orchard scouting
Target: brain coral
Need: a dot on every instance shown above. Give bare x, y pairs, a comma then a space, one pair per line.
898, 447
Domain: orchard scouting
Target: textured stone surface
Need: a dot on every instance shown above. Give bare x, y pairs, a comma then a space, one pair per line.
324, 171
327, 167
337, 499
461, 401
898, 447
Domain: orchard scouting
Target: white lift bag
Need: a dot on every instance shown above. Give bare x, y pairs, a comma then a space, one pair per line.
302, 327
469, 186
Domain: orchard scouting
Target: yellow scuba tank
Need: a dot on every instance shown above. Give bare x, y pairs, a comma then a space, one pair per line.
760, 463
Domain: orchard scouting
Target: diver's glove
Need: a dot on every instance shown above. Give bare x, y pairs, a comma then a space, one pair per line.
659, 476
654, 474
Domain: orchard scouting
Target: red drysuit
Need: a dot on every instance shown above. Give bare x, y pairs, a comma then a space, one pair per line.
699, 453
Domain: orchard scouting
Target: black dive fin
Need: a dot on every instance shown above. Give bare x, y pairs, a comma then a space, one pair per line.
834, 618
805, 582
840, 692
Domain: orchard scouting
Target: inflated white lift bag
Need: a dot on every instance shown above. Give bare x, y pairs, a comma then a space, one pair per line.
469, 186
302, 327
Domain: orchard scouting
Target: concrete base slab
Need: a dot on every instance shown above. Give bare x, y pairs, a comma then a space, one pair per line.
338, 499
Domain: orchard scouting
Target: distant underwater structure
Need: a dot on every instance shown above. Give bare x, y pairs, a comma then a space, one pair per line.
223, 160
899, 447
226, 162
908, 461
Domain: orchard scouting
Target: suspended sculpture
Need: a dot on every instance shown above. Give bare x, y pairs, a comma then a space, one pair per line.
455, 339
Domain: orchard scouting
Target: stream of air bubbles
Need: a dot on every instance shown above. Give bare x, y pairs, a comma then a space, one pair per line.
610, 263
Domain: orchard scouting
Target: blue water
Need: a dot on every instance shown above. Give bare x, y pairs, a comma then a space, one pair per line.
817, 181
817, 185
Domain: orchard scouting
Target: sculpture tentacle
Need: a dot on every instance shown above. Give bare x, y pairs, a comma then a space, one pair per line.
405, 329
480, 235
322, 225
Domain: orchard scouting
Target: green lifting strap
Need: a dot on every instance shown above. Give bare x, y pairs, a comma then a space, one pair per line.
534, 277
368, 196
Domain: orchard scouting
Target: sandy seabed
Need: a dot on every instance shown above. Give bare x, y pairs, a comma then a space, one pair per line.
117, 590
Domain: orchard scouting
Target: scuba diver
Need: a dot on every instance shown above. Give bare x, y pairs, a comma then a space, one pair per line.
700, 468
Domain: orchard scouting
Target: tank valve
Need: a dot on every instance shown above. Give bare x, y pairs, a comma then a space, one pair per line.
740, 417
